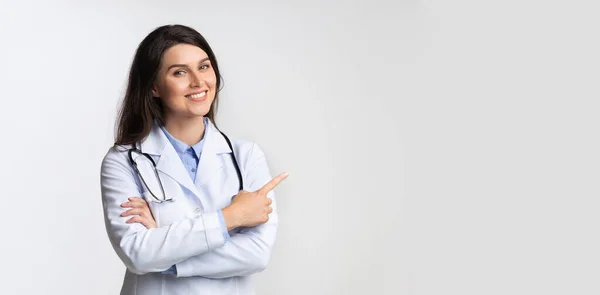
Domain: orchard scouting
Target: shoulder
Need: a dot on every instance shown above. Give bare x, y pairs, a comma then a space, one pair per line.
247, 152
246, 147
117, 151
116, 156
242, 146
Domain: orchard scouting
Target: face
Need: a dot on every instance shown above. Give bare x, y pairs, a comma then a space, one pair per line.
186, 82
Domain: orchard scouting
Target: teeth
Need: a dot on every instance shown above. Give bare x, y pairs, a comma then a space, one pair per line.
199, 95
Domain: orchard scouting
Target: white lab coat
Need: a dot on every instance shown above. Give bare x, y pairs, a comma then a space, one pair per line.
189, 234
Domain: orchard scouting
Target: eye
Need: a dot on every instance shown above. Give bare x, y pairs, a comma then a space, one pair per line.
204, 67
179, 73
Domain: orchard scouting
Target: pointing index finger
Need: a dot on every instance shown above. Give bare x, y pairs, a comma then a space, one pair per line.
273, 183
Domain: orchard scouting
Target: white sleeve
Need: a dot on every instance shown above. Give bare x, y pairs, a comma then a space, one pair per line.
150, 250
248, 251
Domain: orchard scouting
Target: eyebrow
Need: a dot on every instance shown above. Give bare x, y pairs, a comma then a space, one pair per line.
185, 66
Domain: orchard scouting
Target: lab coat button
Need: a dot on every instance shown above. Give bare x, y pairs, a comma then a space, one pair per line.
197, 210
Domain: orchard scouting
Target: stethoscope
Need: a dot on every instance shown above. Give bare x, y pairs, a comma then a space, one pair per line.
162, 189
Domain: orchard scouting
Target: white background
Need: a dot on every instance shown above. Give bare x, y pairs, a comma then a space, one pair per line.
434, 147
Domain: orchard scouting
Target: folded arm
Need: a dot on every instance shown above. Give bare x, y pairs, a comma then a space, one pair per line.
247, 251
150, 250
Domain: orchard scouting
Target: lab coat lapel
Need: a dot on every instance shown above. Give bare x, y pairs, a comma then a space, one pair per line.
210, 160
169, 162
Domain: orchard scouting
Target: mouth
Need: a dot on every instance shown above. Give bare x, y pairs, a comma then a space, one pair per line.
198, 96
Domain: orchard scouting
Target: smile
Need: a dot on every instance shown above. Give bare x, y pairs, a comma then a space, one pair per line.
196, 95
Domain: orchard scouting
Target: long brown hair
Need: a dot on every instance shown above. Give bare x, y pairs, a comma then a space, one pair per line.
139, 109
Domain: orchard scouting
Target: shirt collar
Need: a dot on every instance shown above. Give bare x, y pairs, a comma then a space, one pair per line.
180, 147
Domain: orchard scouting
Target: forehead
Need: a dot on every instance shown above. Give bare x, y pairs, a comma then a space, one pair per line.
183, 54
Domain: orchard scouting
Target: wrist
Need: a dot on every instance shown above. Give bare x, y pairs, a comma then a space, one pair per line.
230, 218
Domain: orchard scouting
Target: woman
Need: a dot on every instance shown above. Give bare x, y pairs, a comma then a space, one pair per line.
187, 210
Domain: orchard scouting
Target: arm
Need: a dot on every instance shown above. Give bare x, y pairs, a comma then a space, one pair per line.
246, 252
150, 250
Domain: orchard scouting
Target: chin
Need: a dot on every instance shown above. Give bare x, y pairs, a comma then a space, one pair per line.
198, 108
199, 112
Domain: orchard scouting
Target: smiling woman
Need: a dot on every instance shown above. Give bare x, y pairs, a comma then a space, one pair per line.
171, 64
188, 84
187, 210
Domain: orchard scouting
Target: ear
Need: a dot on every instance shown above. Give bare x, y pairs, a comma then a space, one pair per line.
155, 91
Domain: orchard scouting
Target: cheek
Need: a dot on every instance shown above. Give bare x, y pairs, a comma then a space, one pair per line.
175, 87
211, 80
171, 94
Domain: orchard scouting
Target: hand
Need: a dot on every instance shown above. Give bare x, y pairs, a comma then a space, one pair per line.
251, 208
141, 212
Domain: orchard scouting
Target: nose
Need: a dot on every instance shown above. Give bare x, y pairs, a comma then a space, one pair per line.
195, 79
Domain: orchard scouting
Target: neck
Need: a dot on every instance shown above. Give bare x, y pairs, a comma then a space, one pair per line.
188, 130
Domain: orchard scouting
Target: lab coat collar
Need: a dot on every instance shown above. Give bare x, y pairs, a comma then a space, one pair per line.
210, 161
157, 144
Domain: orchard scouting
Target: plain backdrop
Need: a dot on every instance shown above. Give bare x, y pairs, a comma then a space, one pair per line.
434, 147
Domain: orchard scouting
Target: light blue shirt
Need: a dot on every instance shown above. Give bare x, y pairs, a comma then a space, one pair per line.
190, 157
